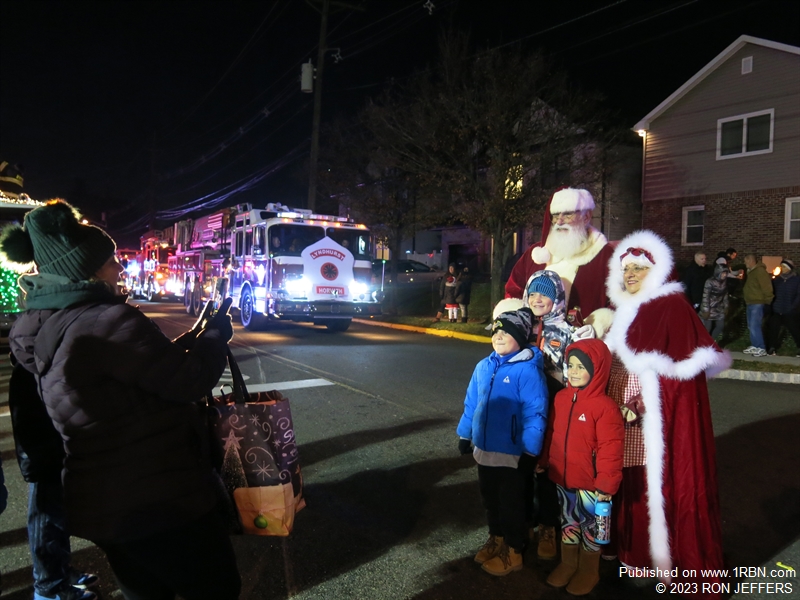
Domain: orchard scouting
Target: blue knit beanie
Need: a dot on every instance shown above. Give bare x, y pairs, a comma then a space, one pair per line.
544, 286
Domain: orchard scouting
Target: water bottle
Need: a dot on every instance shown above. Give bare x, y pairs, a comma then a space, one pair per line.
602, 528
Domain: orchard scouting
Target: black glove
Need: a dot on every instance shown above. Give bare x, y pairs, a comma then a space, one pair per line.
464, 446
527, 462
222, 321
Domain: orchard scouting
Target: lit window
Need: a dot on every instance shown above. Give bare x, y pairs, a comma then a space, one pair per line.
791, 231
745, 135
692, 227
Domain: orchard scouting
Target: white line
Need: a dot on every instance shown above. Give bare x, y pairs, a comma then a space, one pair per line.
280, 385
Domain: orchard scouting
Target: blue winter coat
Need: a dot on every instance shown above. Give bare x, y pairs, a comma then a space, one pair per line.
506, 405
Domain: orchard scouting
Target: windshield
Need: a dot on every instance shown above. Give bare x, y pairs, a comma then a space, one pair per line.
291, 240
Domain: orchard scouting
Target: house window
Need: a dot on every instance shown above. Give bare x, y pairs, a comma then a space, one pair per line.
791, 230
745, 135
692, 225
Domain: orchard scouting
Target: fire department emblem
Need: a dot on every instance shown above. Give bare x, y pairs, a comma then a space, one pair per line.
329, 271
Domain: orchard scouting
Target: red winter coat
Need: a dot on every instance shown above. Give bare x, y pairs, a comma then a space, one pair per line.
585, 432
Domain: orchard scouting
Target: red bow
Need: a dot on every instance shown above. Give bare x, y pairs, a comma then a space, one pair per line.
637, 252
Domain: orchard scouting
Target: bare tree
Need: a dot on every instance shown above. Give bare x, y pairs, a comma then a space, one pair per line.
496, 133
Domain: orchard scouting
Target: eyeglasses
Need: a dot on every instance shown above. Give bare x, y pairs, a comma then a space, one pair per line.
564, 216
635, 269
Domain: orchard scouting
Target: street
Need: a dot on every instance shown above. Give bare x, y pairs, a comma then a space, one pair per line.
393, 509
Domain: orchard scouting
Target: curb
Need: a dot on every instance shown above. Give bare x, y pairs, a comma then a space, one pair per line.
757, 376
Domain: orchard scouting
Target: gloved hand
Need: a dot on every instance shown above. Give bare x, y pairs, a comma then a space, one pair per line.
222, 321
586, 332
464, 446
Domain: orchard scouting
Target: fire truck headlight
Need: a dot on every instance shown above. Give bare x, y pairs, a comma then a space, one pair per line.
298, 288
357, 288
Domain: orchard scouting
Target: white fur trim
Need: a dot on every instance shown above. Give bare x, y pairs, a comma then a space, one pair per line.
540, 255
601, 321
652, 425
570, 199
652, 286
507, 305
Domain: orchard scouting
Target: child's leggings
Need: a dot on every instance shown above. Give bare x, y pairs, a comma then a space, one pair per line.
577, 517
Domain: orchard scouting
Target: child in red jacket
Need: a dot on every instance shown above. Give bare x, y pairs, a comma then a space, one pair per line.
583, 453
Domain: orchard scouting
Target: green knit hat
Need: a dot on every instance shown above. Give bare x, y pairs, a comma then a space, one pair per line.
53, 237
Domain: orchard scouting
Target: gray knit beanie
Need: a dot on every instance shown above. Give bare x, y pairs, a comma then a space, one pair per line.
53, 237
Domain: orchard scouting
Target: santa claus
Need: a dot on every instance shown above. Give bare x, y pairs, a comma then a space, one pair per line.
667, 509
575, 250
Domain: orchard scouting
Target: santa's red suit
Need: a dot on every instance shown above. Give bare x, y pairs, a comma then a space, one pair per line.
671, 506
583, 274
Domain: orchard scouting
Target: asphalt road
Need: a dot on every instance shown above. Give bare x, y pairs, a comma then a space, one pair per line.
394, 511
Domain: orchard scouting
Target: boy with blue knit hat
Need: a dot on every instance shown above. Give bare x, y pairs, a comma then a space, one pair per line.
505, 416
545, 295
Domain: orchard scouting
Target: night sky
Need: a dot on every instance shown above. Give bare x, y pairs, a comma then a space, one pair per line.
126, 105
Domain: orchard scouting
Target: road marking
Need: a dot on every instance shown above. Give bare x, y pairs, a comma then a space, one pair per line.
279, 385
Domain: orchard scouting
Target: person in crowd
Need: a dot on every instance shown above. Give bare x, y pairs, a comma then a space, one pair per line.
785, 308
758, 294
583, 456
505, 417
577, 252
463, 292
137, 477
663, 355
694, 278
447, 293
40, 454
714, 304
545, 297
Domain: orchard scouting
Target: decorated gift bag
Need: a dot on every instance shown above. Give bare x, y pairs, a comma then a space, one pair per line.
257, 456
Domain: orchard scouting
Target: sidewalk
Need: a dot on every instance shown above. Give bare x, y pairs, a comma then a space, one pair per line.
742, 374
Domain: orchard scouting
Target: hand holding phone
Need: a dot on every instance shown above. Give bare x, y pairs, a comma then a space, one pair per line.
221, 321
204, 318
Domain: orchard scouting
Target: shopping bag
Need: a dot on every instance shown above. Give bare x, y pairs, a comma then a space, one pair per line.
257, 457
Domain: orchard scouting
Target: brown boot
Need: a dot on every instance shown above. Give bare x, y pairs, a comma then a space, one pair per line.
547, 543
588, 573
438, 317
490, 549
507, 560
566, 569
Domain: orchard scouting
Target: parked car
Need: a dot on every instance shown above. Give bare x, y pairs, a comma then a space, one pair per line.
409, 273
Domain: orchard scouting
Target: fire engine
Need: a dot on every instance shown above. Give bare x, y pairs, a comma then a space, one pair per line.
150, 270
291, 264
196, 267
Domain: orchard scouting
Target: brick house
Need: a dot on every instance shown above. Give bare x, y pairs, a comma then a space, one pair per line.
721, 156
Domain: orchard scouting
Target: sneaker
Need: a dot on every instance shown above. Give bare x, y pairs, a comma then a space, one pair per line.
749, 350
759, 352
66, 592
772, 352
82, 580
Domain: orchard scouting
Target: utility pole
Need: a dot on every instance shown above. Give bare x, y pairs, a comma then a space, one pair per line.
314, 158
323, 48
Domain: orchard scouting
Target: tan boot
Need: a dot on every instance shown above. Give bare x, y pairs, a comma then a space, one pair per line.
490, 549
507, 560
547, 543
566, 569
588, 573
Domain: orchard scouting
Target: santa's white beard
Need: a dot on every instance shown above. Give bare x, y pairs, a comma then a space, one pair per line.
565, 241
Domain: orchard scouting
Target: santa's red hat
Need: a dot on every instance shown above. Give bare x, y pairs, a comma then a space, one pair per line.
565, 199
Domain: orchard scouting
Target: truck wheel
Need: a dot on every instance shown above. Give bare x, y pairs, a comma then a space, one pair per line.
251, 319
150, 293
338, 325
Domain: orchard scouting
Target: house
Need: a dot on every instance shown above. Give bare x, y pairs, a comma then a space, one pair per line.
721, 156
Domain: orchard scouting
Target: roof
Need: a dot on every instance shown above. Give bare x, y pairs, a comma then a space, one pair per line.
707, 70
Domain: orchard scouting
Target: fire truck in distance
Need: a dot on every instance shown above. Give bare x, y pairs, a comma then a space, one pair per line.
148, 272
290, 264
196, 267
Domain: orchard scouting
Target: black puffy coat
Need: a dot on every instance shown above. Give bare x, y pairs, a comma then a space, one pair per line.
463, 287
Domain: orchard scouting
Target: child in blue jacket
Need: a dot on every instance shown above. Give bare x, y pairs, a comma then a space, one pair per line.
505, 417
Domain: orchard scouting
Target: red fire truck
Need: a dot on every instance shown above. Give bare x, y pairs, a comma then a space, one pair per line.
290, 264
197, 264
149, 274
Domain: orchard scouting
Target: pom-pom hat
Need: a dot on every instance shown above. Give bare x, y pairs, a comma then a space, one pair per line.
53, 238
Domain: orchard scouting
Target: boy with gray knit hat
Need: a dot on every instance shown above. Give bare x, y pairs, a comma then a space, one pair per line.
506, 394
137, 477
